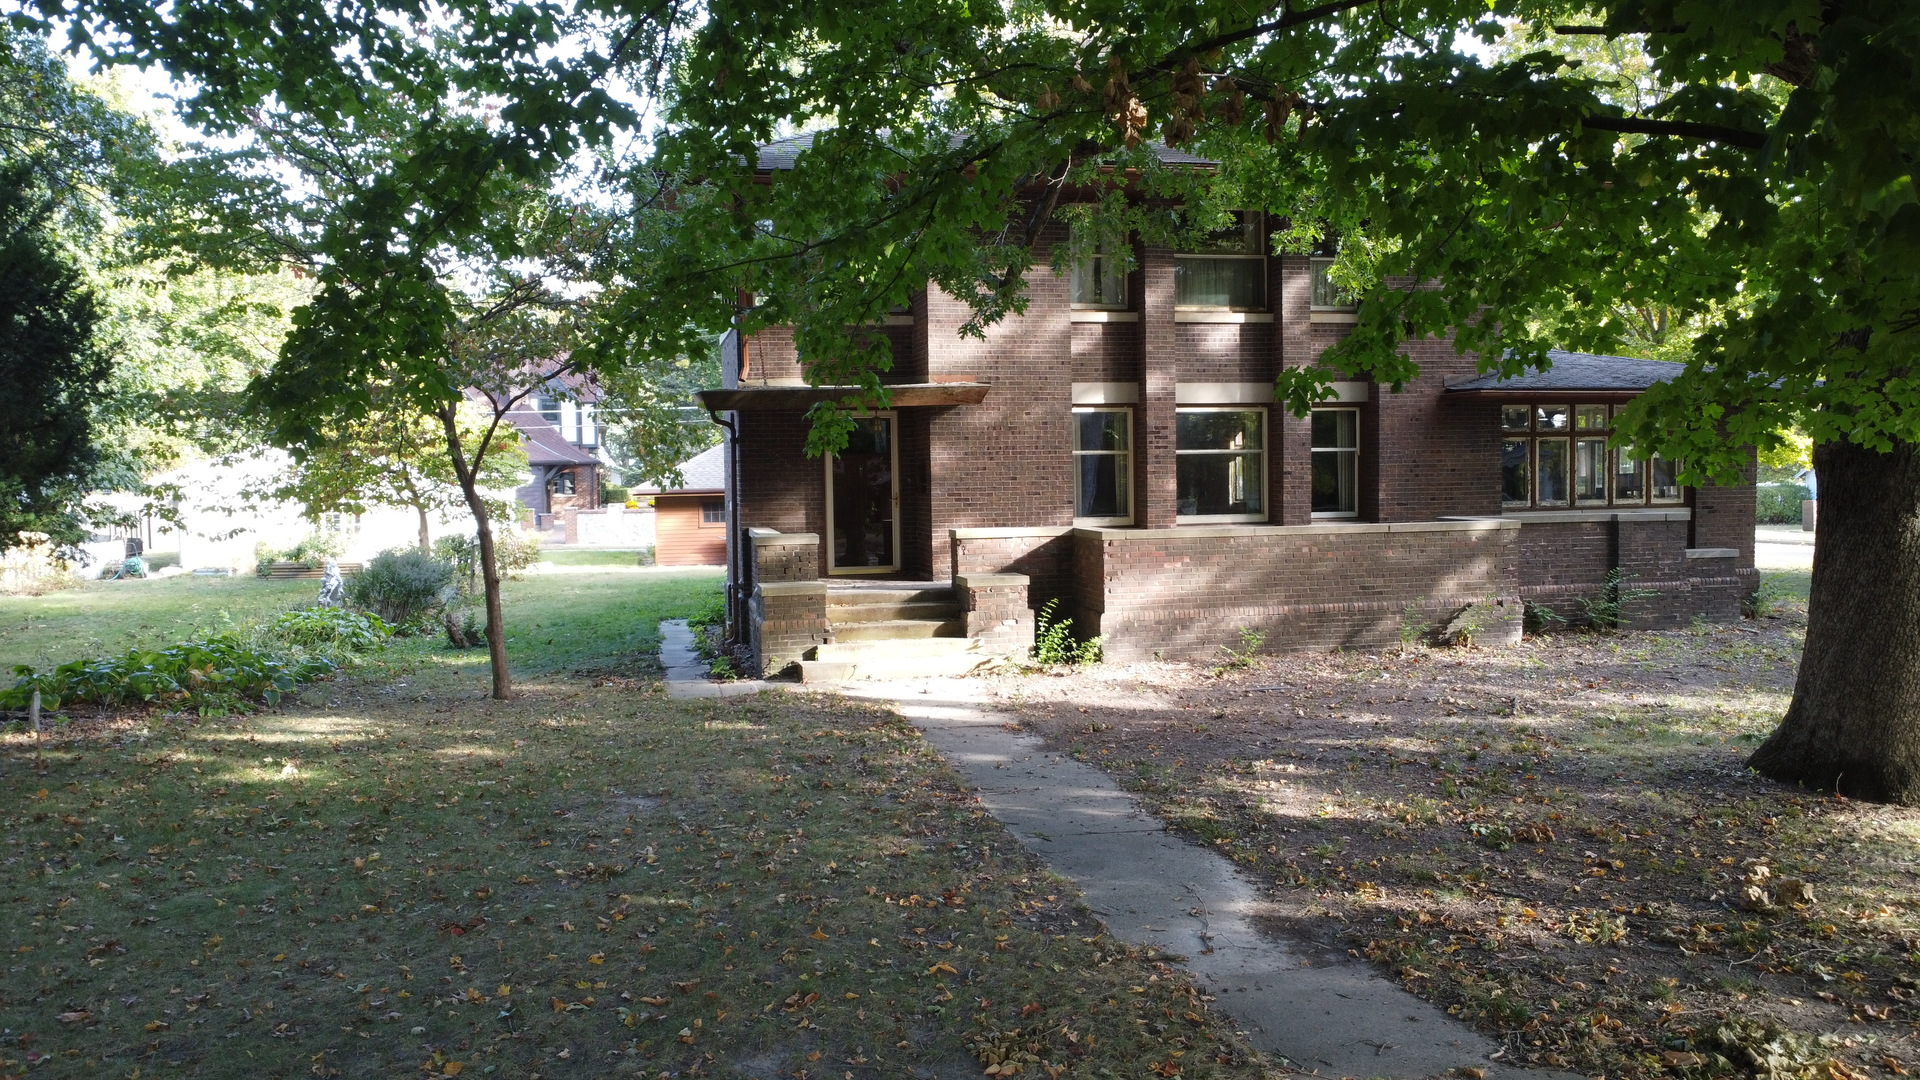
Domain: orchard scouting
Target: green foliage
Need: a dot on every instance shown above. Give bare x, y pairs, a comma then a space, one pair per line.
514, 552
1053, 641
403, 587
327, 628
213, 676
1607, 611
1247, 655
312, 551
1779, 504
50, 370
611, 495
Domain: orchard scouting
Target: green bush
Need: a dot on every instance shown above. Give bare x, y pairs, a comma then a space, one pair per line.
1053, 641
513, 552
1779, 504
214, 676
613, 496
327, 628
403, 587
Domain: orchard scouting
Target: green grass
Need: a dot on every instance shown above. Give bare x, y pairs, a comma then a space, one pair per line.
396, 876
560, 557
104, 618
598, 622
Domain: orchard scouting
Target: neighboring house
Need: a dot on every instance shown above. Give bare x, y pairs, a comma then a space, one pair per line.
1116, 449
690, 521
562, 437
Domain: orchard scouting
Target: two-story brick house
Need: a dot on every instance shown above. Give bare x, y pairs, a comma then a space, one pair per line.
1116, 448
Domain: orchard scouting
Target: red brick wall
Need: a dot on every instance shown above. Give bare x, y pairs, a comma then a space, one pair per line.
1224, 352
1106, 352
1184, 593
779, 487
1724, 516
1046, 560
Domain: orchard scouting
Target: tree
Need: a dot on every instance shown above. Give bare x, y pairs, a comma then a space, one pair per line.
49, 371
399, 458
1770, 160
651, 419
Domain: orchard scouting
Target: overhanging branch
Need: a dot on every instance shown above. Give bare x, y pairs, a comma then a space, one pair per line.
1636, 125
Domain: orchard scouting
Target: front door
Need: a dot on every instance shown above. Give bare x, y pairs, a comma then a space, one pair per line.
863, 499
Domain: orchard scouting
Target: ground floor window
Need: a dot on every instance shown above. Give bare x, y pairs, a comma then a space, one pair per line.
1336, 462
1220, 464
563, 482
713, 512
1103, 466
1557, 455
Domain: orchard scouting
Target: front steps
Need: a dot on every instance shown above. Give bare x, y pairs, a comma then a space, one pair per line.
881, 632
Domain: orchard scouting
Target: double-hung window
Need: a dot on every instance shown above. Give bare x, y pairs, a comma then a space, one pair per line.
1325, 294
1336, 463
1100, 281
1103, 466
1220, 458
1554, 456
1226, 268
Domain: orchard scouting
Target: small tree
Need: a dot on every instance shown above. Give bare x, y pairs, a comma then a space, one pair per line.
398, 457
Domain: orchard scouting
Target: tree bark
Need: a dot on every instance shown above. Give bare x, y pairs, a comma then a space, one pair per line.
468, 475
1853, 727
426, 537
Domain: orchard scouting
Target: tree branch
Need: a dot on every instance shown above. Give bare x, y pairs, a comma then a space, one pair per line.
1637, 125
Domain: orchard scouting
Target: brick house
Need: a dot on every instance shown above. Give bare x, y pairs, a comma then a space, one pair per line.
561, 432
1116, 450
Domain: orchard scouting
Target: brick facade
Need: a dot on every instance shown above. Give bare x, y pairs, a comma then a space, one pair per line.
988, 489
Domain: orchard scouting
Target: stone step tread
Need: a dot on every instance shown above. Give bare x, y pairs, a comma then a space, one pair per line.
858, 597
921, 667
892, 629
898, 648
936, 611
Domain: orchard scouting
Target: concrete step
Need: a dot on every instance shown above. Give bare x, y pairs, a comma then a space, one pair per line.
896, 629
875, 650
912, 610
882, 669
854, 597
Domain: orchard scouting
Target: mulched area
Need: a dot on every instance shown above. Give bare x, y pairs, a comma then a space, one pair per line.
1557, 841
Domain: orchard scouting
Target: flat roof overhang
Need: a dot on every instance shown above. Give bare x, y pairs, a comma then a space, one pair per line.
1614, 396
802, 398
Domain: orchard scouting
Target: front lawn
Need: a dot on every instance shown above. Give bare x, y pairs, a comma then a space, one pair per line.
1557, 841
399, 877
103, 618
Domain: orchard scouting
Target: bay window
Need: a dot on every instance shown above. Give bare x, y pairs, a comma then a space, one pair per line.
1103, 466
1554, 456
1226, 268
1220, 464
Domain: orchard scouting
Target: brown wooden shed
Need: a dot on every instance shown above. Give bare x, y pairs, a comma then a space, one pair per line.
690, 521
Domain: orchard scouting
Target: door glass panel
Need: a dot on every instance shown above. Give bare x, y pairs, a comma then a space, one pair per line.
863, 497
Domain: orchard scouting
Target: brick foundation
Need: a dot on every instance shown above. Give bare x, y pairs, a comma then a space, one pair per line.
997, 611
787, 614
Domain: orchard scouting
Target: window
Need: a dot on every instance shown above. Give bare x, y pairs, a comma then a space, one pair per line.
713, 512
548, 407
563, 483
1103, 466
1555, 456
1220, 464
1336, 462
1100, 281
1226, 268
1326, 295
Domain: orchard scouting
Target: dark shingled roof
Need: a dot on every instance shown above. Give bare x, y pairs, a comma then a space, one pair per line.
781, 153
705, 471
1573, 372
546, 446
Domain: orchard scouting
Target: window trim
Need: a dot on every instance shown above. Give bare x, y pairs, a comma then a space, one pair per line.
1261, 258
1336, 515
1266, 441
1074, 438
720, 524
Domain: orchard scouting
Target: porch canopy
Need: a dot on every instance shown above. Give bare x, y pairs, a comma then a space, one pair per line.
1586, 375
777, 398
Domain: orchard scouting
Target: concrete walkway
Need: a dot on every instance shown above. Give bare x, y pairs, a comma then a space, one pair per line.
687, 675
1331, 1017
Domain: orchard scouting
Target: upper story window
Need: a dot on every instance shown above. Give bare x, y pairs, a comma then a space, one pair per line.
1100, 280
1326, 295
548, 407
1225, 269
1336, 463
1103, 466
1554, 456
1220, 458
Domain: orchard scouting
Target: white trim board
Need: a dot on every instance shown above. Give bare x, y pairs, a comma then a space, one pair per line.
1106, 393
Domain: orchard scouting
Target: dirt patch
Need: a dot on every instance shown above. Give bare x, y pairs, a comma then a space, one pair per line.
1558, 842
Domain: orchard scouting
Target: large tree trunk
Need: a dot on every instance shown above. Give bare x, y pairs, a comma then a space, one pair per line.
426, 535
1854, 724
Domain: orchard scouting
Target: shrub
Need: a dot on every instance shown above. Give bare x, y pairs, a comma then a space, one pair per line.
513, 552
1053, 641
217, 675
1778, 504
402, 586
327, 628
613, 496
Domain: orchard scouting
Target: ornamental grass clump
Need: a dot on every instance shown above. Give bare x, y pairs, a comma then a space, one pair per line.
404, 587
